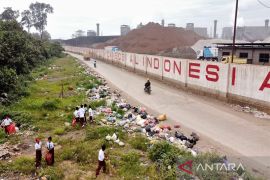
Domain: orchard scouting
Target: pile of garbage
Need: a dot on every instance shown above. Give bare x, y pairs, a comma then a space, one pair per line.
119, 113
254, 111
115, 139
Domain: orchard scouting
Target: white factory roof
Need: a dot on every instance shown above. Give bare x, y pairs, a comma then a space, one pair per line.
199, 45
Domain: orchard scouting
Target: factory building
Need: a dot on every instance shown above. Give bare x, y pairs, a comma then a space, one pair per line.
202, 31
91, 33
255, 53
248, 33
124, 30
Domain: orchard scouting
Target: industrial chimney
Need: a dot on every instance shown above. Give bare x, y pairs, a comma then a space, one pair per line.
162, 22
267, 23
215, 28
97, 29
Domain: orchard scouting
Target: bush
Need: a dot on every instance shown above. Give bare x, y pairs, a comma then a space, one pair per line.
67, 154
139, 142
59, 131
18, 117
53, 173
130, 166
165, 155
8, 79
50, 105
19, 54
24, 165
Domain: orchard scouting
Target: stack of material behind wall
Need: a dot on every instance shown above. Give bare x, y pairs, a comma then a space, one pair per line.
154, 39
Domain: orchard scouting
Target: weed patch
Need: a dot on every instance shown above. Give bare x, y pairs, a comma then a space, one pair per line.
53, 173
2, 136
130, 166
96, 104
93, 133
59, 131
139, 142
24, 165
51, 105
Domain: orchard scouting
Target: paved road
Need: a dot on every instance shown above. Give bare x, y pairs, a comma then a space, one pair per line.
240, 132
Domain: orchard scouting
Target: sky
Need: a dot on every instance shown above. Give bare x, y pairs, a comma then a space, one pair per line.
71, 15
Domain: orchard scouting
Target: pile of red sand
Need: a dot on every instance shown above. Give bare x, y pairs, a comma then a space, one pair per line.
153, 39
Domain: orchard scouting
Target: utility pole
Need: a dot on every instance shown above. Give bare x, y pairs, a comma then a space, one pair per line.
234, 30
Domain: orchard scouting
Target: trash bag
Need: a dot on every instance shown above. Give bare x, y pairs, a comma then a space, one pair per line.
177, 126
73, 122
48, 158
195, 136
130, 116
180, 136
162, 117
143, 116
11, 129
136, 110
148, 128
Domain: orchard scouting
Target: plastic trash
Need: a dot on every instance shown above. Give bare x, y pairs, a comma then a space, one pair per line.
162, 117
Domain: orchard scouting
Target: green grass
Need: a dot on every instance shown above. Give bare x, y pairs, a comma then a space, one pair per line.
23, 164
59, 131
2, 136
43, 111
139, 142
97, 103
130, 166
53, 173
93, 133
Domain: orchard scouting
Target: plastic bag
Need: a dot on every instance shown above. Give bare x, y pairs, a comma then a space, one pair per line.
73, 122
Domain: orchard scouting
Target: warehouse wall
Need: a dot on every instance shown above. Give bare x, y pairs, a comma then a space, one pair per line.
241, 83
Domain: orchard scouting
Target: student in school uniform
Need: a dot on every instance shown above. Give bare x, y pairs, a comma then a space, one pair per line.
101, 160
38, 149
8, 125
85, 113
81, 115
91, 114
76, 114
50, 153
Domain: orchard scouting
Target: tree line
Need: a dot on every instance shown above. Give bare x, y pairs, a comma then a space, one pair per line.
35, 16
20, 51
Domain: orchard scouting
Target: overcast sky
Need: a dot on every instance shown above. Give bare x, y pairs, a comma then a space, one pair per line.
71, 15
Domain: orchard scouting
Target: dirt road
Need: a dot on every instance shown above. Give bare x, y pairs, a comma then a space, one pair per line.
240, 134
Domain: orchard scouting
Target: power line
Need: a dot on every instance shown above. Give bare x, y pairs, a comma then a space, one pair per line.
263, 4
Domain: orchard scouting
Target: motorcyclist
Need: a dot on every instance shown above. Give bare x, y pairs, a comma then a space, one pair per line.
147, 85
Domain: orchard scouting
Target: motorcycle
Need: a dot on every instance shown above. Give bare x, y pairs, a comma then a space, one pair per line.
147, 90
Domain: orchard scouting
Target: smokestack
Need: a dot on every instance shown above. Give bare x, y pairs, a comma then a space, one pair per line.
267, 23
97, 29
215, 28
162, 22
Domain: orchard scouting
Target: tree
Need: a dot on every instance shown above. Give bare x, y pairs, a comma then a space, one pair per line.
8, 14
27, 20
79, 33
39, 13
46, 35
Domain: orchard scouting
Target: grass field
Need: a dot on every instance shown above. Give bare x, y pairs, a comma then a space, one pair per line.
45, 112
